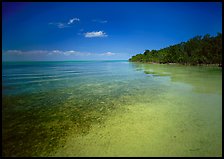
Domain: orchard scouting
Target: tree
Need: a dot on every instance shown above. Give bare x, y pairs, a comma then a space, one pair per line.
197, 50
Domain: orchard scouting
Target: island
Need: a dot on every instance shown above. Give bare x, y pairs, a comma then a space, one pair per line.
196, 51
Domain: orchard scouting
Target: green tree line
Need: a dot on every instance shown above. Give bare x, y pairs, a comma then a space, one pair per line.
198, 50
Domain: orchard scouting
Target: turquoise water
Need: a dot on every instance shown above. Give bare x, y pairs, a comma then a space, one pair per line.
111, 108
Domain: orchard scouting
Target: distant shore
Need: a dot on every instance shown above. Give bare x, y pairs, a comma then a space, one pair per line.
218, 65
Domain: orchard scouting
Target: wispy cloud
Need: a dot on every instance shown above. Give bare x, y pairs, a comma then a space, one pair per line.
72, 52
62, 25
13, 52
99, 21
56, 52
47, 52
30, 52
72, 20
94, 34
108, 54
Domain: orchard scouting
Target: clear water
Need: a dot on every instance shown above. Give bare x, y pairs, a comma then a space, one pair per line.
110, 108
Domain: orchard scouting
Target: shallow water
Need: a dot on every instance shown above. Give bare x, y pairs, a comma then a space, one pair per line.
111, 108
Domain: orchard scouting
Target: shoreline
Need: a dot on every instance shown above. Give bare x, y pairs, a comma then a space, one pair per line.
185, 64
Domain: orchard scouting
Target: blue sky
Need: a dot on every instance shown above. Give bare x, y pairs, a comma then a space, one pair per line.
101, 30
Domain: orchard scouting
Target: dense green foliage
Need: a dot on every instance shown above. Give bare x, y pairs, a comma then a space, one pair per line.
198, 50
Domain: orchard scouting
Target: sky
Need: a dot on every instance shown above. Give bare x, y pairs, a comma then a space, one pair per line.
56, 31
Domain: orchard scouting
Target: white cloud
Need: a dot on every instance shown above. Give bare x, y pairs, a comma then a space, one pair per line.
95, 34
19, 52
72, 20
108, 54
55, 52
62, 25
71, 52
16, 52
58, 53
47, 52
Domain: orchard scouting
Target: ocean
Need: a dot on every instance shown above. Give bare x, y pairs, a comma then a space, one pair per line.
110, 108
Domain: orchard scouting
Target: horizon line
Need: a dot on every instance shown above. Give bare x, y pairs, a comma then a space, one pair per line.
59, 60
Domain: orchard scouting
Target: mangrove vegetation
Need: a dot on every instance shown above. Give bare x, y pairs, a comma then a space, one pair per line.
198, 50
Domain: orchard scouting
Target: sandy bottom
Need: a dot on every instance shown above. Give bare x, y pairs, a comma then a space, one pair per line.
168, 127
112, 109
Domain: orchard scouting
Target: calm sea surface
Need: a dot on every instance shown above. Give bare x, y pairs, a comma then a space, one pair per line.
110, 108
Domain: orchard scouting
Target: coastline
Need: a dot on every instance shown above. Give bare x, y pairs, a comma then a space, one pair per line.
186, 64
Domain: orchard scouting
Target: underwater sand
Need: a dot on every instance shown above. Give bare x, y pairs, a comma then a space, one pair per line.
105, 108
